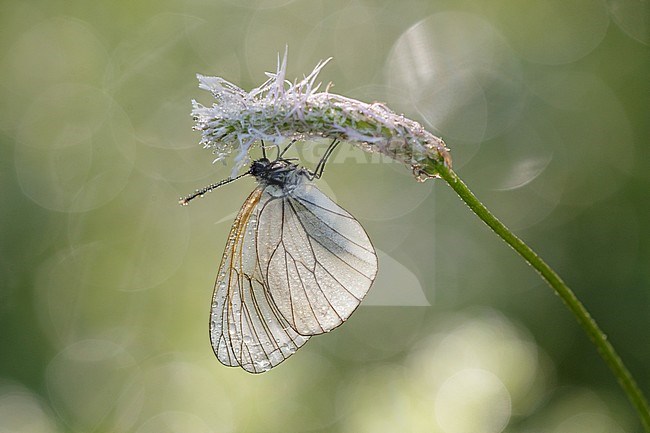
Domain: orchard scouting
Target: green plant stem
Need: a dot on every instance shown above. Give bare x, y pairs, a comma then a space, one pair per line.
590, 326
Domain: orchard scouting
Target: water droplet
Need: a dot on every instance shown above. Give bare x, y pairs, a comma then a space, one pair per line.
263, 365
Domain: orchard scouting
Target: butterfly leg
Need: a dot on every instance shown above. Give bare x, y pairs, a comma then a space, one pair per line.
321, 164
280, 154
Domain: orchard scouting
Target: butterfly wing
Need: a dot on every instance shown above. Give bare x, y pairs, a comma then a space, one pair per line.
316, 259
246, 328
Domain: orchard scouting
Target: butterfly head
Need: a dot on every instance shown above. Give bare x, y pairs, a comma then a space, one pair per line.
259, 167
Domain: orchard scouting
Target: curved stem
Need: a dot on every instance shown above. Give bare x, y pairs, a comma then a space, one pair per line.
590, 326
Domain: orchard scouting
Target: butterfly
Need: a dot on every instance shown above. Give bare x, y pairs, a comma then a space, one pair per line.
295, 265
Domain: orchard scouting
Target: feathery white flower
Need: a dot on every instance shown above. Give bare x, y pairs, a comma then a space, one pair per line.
280, 110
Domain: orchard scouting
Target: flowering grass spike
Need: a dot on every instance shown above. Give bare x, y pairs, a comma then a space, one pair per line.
281, 110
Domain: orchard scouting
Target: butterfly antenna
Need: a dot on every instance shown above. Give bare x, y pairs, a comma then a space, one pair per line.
201, 192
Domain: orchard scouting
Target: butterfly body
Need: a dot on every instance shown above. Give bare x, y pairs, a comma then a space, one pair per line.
281, 174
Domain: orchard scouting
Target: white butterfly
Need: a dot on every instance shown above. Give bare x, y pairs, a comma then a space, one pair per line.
296, 265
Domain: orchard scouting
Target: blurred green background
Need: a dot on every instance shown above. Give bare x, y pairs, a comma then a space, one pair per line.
106, 281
